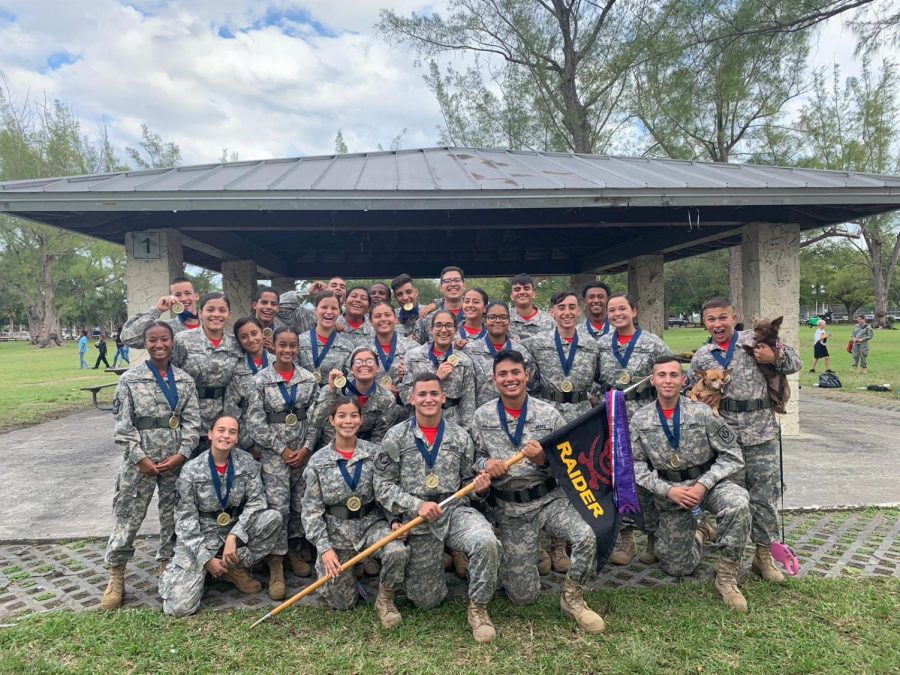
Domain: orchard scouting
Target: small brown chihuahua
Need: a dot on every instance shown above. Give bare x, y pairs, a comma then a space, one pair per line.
710, 387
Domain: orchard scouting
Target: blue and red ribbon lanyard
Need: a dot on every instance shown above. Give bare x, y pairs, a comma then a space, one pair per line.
352, 481
356, 392
217, 482
290, 398
386, 359
430, 456
725, 361
466, 336
515, 439
318, 358
595, 334
434, 359
673, 433
493, 350
252, 364
623, 360
566, 361
168, 386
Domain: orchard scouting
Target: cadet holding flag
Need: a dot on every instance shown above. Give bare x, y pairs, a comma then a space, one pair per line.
528, 497
686, 456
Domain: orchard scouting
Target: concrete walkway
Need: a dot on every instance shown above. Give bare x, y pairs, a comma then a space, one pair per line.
58, 478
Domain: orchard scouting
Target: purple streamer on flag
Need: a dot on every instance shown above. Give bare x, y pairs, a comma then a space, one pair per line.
623, 462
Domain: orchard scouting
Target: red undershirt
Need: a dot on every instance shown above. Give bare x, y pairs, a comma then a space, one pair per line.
498, 347
288, 376
430, 433
529, 318
354, 326
598, 327
437, 353
472, 331
456, 311
724, 345
625, 339
514, 412
362, 400
346, 454
322, 340
569, 340
668, 412
216, 342
222, 469
192, 323
258, 362
385, 347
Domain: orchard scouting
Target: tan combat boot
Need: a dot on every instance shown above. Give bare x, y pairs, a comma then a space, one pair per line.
277, 588
726, 585
115, 589
648, 557
387, 611
559, 559
573, 606
764, 566
544, 564
709, 530
299, 566
371, 567
460, 563
625, 548
241, 578
480, 621
863, 371
163, 566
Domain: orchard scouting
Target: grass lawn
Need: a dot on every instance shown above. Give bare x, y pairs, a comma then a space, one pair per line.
884, 356
42, 384
823, 626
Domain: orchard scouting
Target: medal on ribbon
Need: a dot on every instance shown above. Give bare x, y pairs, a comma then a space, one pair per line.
566, 362
673, 433
624, 378
449, 357
169, 390
725, 361
516, 438
430, 454
386, 360
319, 356
354, 503
224, 518
290, 398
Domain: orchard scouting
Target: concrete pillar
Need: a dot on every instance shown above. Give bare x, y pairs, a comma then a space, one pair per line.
736, 279
647, 285
579, 281
239, 284
283, 284
771, 273
152, 259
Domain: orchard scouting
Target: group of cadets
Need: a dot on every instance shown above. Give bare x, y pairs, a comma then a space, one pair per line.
310, 433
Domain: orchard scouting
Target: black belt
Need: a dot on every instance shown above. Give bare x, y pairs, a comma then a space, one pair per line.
341, 512
450, 402
686, 474
563, 397
732, 405
645, 395
529, 495
146, 423
233, 511
279, 416
210, 392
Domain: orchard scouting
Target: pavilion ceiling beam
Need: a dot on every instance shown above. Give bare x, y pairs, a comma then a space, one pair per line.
228, 246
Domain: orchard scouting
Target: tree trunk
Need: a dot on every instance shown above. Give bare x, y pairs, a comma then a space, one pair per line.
43, 315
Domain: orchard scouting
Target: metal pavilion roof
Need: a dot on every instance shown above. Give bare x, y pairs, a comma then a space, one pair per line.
490, 211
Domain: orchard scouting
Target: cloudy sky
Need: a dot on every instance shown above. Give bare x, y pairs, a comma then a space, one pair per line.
264, 79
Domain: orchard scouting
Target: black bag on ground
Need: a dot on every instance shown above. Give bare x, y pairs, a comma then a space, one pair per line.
830, 381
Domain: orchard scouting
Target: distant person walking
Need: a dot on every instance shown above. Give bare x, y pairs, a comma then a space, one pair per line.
121, 349
820, 349
862, 333
82, 350
101, 348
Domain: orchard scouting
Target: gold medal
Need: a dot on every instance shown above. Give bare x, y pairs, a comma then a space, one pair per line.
386, 381
340, 382
567, 386
432, 481
409, 307
354, 503
268, 333
290, 419
453, 360
623, 379
223, 519
174, 422
178, 308
317, 375
675, 462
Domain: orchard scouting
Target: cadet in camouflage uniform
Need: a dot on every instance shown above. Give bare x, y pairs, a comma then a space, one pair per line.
203, 545
861, 334
528, 498
422, 462
526, 319
408, 300
551, 374
458, 382
390, 346
453, 288
747, 409
638, 349
181, 291
334, 352
483, 350
378, 405
354, 323
278, 414
293, 312
215, 360
341, 516
595, 295
153, 452
685, 456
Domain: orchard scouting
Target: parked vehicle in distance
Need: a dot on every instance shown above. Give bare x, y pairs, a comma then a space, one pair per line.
870, 318
676, 321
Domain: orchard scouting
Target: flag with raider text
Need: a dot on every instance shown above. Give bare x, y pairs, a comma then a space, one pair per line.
590, 457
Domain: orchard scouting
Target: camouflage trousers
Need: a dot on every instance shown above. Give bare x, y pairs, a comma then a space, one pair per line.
860, 355
762, 479
181, 585
519, 536
467, 531
134, 491
284, 490
341, 592
678, 551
